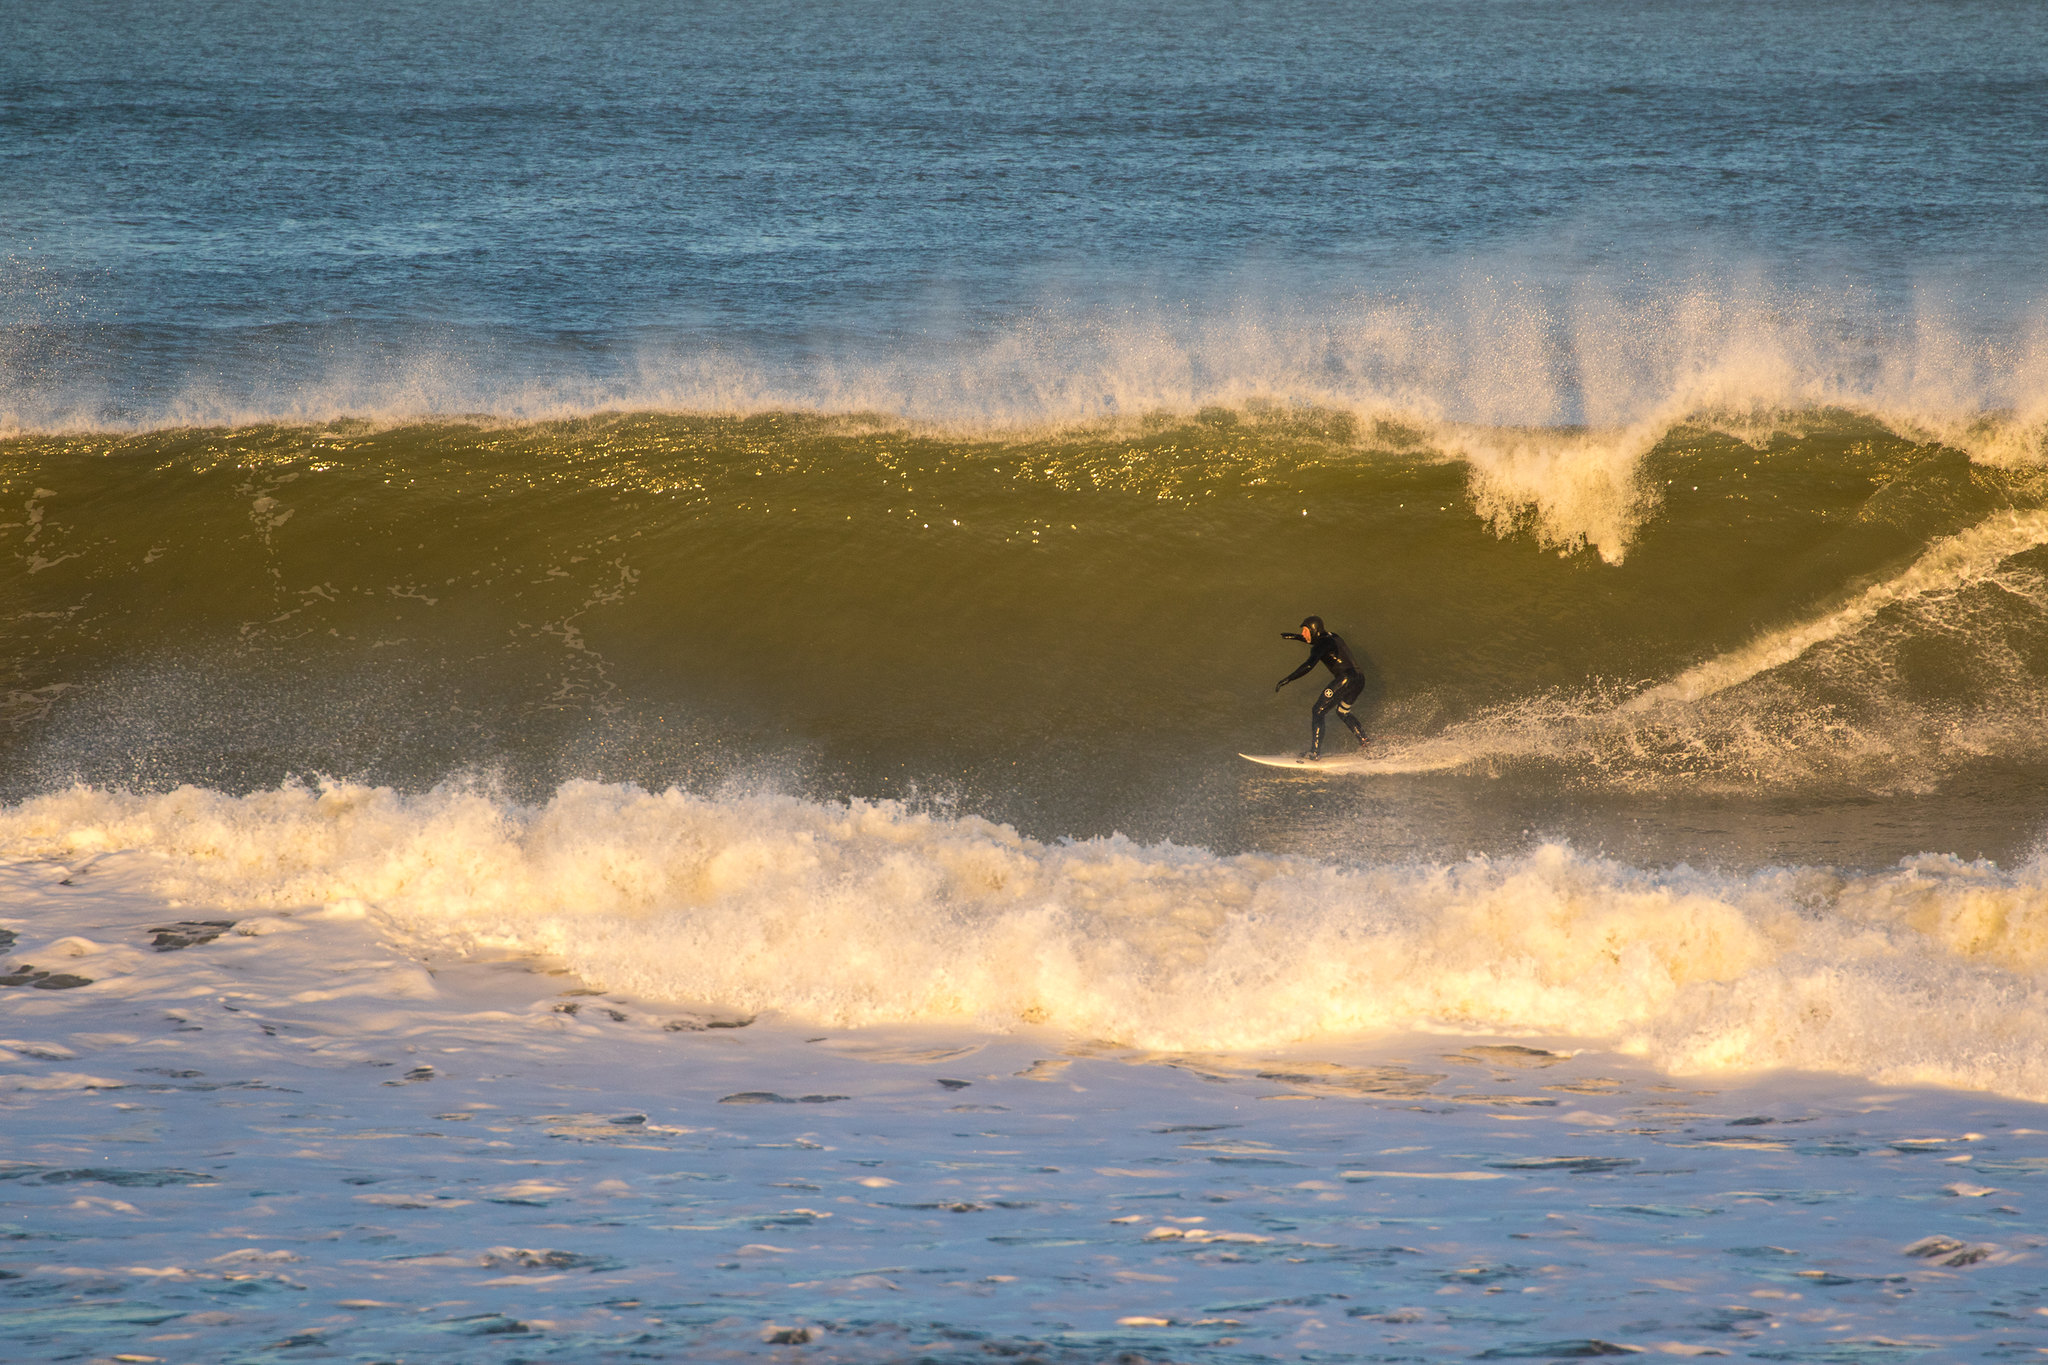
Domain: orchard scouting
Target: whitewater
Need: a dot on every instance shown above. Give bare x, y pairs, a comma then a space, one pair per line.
870, 914
351, 1072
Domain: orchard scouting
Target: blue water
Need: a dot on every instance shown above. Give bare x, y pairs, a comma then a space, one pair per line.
345, 207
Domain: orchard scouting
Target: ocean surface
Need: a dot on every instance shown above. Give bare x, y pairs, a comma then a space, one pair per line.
638, 620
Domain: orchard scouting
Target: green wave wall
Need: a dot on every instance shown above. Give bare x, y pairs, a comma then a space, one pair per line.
1085, 622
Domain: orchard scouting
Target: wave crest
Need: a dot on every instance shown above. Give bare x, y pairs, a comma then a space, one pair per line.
1553, 391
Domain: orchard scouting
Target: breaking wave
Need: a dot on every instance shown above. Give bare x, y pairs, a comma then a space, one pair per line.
862, 913
1836, 607
1552, 393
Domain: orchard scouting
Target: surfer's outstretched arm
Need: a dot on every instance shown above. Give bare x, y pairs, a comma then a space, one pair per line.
1299, 672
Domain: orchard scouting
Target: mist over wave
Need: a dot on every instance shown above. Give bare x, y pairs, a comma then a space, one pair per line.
1551, 389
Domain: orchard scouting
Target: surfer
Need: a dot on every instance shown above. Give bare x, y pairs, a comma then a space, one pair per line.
1327, 648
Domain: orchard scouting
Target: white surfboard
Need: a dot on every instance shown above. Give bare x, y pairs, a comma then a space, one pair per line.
1370, 763
1291, 761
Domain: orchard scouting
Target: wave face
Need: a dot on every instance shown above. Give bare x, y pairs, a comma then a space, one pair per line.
1079, 624
866, 913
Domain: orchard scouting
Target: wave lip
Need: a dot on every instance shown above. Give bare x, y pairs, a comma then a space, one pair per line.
1552, 391
866, 913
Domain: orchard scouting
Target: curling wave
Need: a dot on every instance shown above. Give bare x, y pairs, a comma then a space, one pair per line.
1833, 608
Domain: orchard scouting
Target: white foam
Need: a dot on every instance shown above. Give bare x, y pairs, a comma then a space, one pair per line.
57, 1080
871, 913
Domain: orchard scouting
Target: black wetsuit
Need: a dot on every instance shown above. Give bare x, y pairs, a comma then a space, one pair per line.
1346, 682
